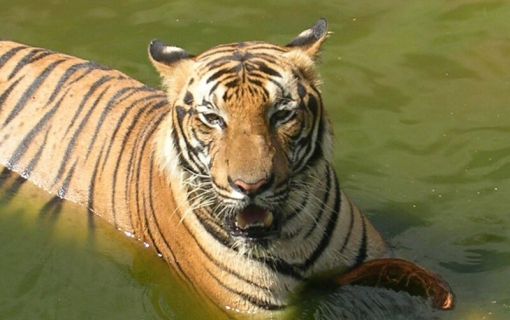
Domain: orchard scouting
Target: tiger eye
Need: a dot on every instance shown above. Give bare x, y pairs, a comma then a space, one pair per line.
282, 117
213, 118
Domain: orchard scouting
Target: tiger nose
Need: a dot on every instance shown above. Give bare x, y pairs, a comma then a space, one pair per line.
249, 188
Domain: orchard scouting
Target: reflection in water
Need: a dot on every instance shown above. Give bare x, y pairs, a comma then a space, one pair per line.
479, 260
62, 267
362, 303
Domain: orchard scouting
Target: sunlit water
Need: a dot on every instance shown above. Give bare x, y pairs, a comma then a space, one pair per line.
418, 92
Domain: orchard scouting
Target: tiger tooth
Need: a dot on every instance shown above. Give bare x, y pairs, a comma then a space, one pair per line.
268, 219
241, 222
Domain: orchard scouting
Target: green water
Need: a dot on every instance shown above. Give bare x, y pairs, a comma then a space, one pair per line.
418, 92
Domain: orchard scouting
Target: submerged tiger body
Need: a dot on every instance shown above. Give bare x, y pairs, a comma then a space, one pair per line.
227, 174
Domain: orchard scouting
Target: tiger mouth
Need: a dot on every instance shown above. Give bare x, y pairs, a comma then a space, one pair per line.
255, 223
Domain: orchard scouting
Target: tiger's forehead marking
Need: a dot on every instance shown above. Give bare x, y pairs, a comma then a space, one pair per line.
256, 71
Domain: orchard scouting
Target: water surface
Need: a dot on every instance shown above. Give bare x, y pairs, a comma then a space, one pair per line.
418, 93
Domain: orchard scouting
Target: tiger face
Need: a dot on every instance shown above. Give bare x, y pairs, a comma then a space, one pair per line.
247, 122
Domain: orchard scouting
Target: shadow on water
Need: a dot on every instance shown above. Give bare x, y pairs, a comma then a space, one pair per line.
58, 265
395, 218
363, 303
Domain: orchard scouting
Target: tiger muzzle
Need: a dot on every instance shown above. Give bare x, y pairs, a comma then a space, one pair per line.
255, 223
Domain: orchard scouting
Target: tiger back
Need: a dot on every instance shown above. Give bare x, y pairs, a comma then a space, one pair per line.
227, 174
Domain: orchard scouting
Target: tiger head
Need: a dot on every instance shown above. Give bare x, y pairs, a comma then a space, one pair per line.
246, 128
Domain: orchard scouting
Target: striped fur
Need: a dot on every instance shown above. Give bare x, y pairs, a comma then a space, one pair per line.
144, 160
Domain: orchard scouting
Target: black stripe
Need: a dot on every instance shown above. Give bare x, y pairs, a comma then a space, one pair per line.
313, 105
62, 192
86, 73
188, 98
270, 58
25, 60
112, 103
268, 70
212, 228
93, 179
220, 72
301, 90
65, 77
191, 158
183, 162
152, 211
29, 58
193, 152
284, 268
131, 168
302, 206
72, 143
181, 112
43, 54
302, 142
194, 135
187, 281
228, 84
329, 229
228, 49
323, 203
124, 144
35, 159
147, 136
261, 89
9, 54
351, 224
314, 150
253, 300
259, 85
120, 121
87, 96
217, 63
362, 251
276, 83
221, 265
266, 46
29, 138
318, 145
114, 100
32, 89
8, 91
134, 166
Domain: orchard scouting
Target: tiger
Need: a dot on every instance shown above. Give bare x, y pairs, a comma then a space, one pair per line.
227, 171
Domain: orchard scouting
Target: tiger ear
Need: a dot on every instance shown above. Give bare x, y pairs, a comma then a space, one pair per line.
311, 40
165, 58
173, 64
